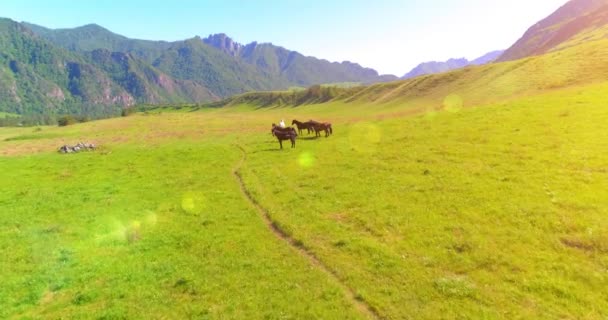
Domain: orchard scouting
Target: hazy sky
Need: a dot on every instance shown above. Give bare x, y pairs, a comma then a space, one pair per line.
391, 36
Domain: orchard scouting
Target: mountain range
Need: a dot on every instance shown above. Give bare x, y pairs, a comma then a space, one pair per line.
94, 71
432, 67
90, 70
567, 49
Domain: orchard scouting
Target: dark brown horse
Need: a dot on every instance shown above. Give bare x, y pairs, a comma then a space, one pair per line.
324, 126
303, 125
278, 128
284, 134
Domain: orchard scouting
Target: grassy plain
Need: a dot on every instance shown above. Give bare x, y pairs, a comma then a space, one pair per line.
497, 211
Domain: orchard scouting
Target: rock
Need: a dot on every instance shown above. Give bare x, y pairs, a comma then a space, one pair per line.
81, 146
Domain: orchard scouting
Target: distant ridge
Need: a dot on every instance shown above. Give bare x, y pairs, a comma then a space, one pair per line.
91, 70
433, 67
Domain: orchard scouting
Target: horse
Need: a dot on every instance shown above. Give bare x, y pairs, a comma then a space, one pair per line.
303, 125
325, 126
284, 134
278, 128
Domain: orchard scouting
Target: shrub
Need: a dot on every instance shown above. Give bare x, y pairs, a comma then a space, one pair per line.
66, 121
83, 118
127, 112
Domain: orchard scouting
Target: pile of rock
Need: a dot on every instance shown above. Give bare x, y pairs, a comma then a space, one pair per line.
81, 146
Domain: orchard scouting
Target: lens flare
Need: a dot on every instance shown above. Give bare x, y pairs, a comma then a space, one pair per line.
306, 159
118, 233
127, 232
193, 202
430, 113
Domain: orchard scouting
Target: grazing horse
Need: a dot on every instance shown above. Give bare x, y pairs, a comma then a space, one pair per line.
303, 125
325, 126
284, 134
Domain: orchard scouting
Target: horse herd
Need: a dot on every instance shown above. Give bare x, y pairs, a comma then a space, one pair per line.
290, 133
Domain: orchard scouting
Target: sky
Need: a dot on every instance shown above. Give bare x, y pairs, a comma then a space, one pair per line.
391, 36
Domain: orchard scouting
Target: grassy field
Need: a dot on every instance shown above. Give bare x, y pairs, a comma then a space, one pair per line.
497, 212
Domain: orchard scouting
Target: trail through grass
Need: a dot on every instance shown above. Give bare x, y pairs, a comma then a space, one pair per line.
492, 212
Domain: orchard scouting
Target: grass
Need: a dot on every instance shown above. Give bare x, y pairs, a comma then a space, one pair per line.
448, 211
147, 232
494, 212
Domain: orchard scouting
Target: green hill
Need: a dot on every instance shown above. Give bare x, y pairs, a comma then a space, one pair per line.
581, 64
135, 71
38, 77
574, 18
91, 37
222, 74
146, 83
305, 71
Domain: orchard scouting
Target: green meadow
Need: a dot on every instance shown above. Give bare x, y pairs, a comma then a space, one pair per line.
465, 210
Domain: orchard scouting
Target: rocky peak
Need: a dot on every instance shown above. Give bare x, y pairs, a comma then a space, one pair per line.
222, 42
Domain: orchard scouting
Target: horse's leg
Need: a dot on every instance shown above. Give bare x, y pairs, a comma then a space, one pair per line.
293, 142
281, 143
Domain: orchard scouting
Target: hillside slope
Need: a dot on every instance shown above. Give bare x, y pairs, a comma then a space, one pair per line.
584, 63
146, 83
92, 36
36, 76
575, 17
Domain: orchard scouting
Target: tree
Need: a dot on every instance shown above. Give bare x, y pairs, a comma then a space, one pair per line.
66, 121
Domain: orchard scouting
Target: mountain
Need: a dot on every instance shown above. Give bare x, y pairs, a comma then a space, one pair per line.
221, 73
575, 54
574, 67
436, 67
294, 67
487, 58
90, 37
91, 70
146, 83
433, 67
224, 43
38, 77
576, 20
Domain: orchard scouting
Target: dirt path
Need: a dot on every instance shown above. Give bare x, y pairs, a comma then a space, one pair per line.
349, 293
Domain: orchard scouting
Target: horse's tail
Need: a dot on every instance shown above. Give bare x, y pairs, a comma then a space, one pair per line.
331, 131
